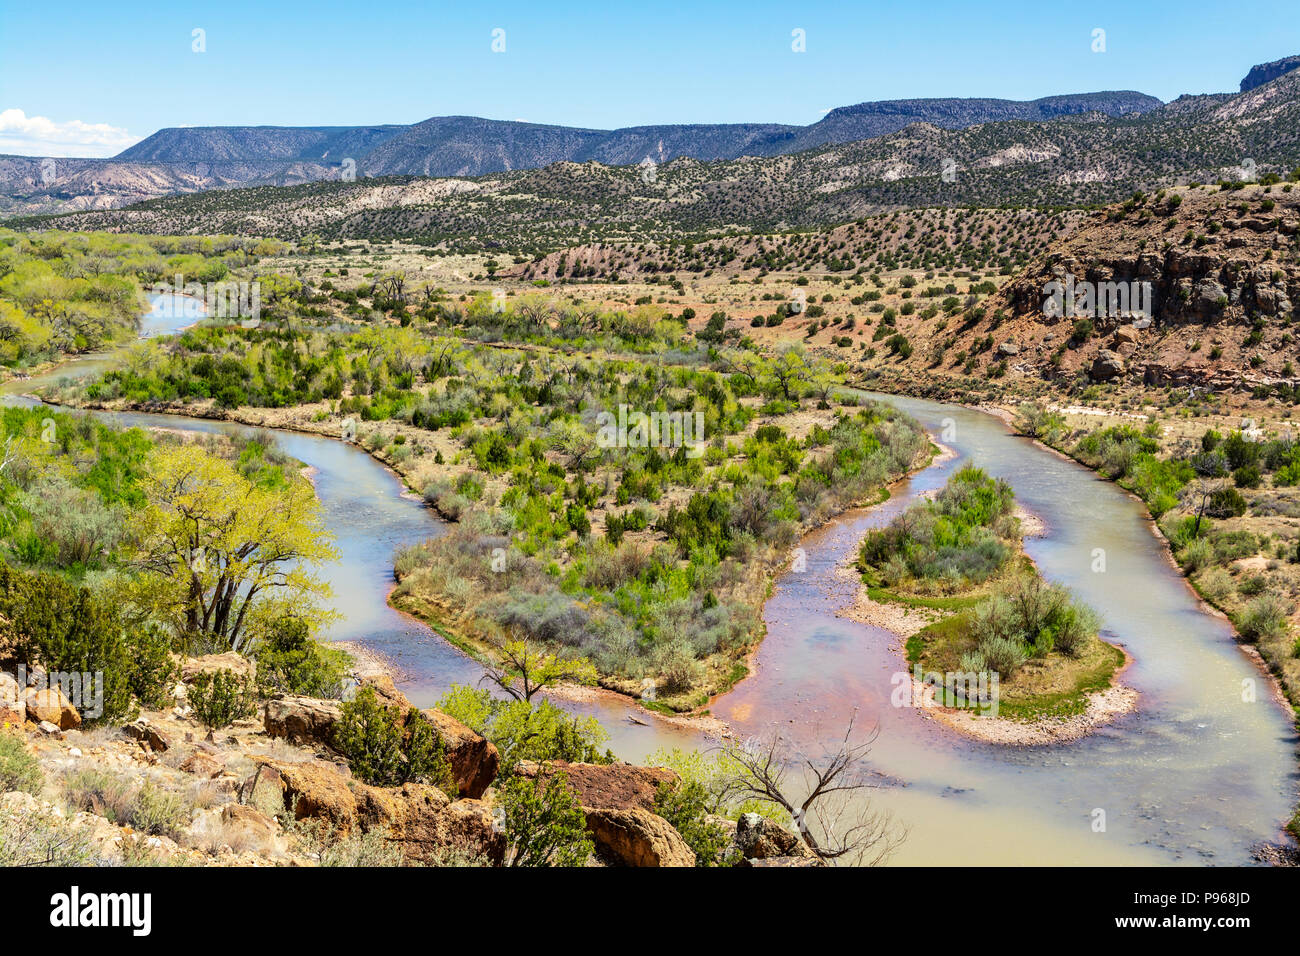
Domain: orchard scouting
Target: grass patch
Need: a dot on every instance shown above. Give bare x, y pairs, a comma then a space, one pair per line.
1052, 685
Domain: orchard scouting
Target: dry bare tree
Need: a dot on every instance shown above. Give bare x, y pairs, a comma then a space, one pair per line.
833, 816
1198, 495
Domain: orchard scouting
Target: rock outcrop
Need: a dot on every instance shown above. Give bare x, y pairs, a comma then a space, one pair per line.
426, 824
617, 786
303, 790
1196, 287
240, 665
636, 837
49, 704
618, 803
1263, 73
429, 827
473, 759
758, 838
302, 720
13, 703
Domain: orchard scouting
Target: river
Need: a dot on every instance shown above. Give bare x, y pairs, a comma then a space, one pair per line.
1195, 776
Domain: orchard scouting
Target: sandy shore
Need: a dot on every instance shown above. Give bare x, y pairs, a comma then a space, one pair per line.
1103, 707
367, 662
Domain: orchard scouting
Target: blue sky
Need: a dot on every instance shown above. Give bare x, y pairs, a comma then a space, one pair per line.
94, 77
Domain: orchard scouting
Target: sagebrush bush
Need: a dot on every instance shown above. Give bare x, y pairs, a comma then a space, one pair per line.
19, 767
1002, 655
1196, 554
158, 812
1216, 584
1264, 618
147, 807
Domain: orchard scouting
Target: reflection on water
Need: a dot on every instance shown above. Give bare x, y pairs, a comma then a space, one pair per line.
1195, 776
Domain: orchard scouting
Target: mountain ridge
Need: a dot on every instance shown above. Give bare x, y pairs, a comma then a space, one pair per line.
473, 146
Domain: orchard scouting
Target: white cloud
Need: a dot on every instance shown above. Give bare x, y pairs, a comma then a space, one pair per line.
40, 136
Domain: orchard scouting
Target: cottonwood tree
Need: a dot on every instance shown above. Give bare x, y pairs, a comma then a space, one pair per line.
740, 364
523, 670
826, 798
790, 372
225, 555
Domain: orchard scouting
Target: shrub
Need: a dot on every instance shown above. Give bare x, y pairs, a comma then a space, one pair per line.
685, 805
1247, 476
544, 824
1035, 421
332, 847
386, 749
221, 698
155, 670
27, 839
1264, 618
66, 627
1002, 655
523, 731
289, 661
1216, 585
158, 812
1195, 555
1226, 503
146, 807
19, 768
1026, 614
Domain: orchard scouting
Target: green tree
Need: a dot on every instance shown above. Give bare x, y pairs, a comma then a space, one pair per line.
225, 555
544, 824
522, 670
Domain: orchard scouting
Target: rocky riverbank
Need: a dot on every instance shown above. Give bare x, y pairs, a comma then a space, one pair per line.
271, 790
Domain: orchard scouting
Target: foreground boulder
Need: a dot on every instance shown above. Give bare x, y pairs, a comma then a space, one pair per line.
13, 704
637, 837
758, 838
618, 803
429, 827
474, 759
50, 705
302, 720
426, 824
617, 786
303, 790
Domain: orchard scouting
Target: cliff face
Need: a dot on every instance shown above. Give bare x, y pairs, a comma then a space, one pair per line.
1265, 72
1196, 287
